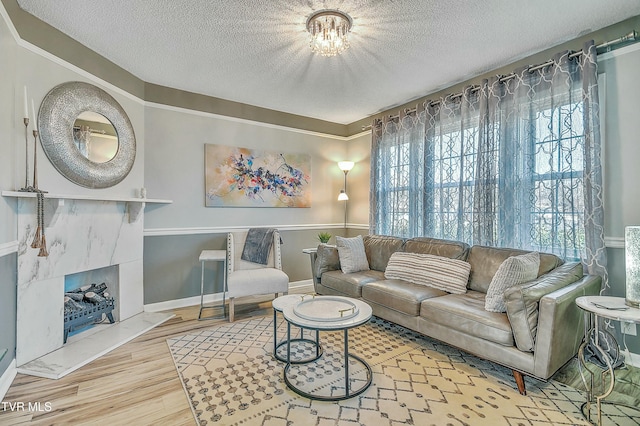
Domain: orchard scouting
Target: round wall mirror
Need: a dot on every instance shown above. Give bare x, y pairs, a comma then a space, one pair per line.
95, 137
71, 121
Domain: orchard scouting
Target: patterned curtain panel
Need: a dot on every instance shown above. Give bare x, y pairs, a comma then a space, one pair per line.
397, 179
514, 162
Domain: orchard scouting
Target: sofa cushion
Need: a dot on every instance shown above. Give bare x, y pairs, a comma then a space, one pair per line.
327, 259
352, 255
514, 270
350, 284
399, 295
438, 247
485, 261
379, 249
522, 301
466, 313
442, 273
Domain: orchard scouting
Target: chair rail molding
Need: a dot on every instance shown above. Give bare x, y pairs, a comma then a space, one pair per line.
163, 232
8, 248
614, 242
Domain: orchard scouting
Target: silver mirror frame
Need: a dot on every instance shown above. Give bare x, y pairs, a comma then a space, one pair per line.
56, 117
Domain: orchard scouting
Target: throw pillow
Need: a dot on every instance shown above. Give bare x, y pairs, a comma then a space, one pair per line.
513, 271
352, 255
327, 259
442, 273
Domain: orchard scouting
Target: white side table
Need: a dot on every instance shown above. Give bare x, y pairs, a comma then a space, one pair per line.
213, 256
313, 254
595, 308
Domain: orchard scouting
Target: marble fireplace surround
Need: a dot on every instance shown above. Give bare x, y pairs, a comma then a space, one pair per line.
83, 234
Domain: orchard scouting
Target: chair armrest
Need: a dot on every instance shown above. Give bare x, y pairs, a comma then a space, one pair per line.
561, 325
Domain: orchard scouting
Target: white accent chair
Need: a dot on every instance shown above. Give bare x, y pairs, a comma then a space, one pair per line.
249, 279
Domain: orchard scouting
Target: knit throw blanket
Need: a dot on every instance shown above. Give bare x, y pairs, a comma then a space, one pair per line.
257, 245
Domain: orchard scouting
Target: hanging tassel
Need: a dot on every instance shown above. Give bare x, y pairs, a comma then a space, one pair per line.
37, 240
40, 241
43, 248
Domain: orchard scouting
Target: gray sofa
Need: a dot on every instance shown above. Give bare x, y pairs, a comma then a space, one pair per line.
541, 330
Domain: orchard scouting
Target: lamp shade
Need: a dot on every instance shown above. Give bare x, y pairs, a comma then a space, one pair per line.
632, 265
343, 196
345, 166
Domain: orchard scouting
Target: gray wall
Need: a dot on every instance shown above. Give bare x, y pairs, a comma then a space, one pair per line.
172, 270
622, 150
8, 283
174, 169
621, 139
9, 129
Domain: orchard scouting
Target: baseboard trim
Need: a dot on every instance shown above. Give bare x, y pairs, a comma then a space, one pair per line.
303, 286
631, 358
7, 378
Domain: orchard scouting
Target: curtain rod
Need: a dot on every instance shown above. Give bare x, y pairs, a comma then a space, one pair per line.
632, 36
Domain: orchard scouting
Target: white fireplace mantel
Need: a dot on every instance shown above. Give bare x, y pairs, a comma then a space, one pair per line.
56, 201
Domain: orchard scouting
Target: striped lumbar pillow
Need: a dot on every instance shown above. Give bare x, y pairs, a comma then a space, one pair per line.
514, 270
442, 273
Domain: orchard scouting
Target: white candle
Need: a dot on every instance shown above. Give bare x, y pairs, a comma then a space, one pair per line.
26, 112
35, 117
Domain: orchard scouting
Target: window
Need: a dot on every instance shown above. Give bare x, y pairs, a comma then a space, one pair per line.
449, 182
557, 209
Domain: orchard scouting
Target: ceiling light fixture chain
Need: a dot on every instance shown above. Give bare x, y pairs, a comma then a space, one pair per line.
328, 30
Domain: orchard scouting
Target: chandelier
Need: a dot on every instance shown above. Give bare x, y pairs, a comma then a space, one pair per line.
328, 31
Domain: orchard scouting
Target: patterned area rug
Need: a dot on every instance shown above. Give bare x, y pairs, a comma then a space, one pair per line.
231, 378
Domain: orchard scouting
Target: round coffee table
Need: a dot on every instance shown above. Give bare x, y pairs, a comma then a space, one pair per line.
329, 313
278, 305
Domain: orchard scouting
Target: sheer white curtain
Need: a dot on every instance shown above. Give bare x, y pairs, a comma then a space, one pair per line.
514, 162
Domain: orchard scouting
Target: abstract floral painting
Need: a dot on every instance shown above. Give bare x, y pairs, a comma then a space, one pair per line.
243, 177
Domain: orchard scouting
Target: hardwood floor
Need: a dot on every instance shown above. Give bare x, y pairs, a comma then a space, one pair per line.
135, 384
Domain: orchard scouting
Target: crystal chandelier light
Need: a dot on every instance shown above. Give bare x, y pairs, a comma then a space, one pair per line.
329, 31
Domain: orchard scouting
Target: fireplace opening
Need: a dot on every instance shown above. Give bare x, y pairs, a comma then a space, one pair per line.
86, 306
90, 301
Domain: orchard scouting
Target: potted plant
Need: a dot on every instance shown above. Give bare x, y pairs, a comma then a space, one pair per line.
324, 237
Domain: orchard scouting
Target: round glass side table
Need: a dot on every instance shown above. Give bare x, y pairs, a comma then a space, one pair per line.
596, 308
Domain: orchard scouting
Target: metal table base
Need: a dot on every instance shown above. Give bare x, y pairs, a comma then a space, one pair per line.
349, 392
213, 256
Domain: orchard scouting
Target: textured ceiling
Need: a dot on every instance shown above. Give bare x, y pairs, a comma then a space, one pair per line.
257, 52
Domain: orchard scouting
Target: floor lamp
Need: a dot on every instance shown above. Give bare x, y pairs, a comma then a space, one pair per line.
345, 166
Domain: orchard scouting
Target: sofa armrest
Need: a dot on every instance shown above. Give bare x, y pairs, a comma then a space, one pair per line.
327, 259
561, 325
